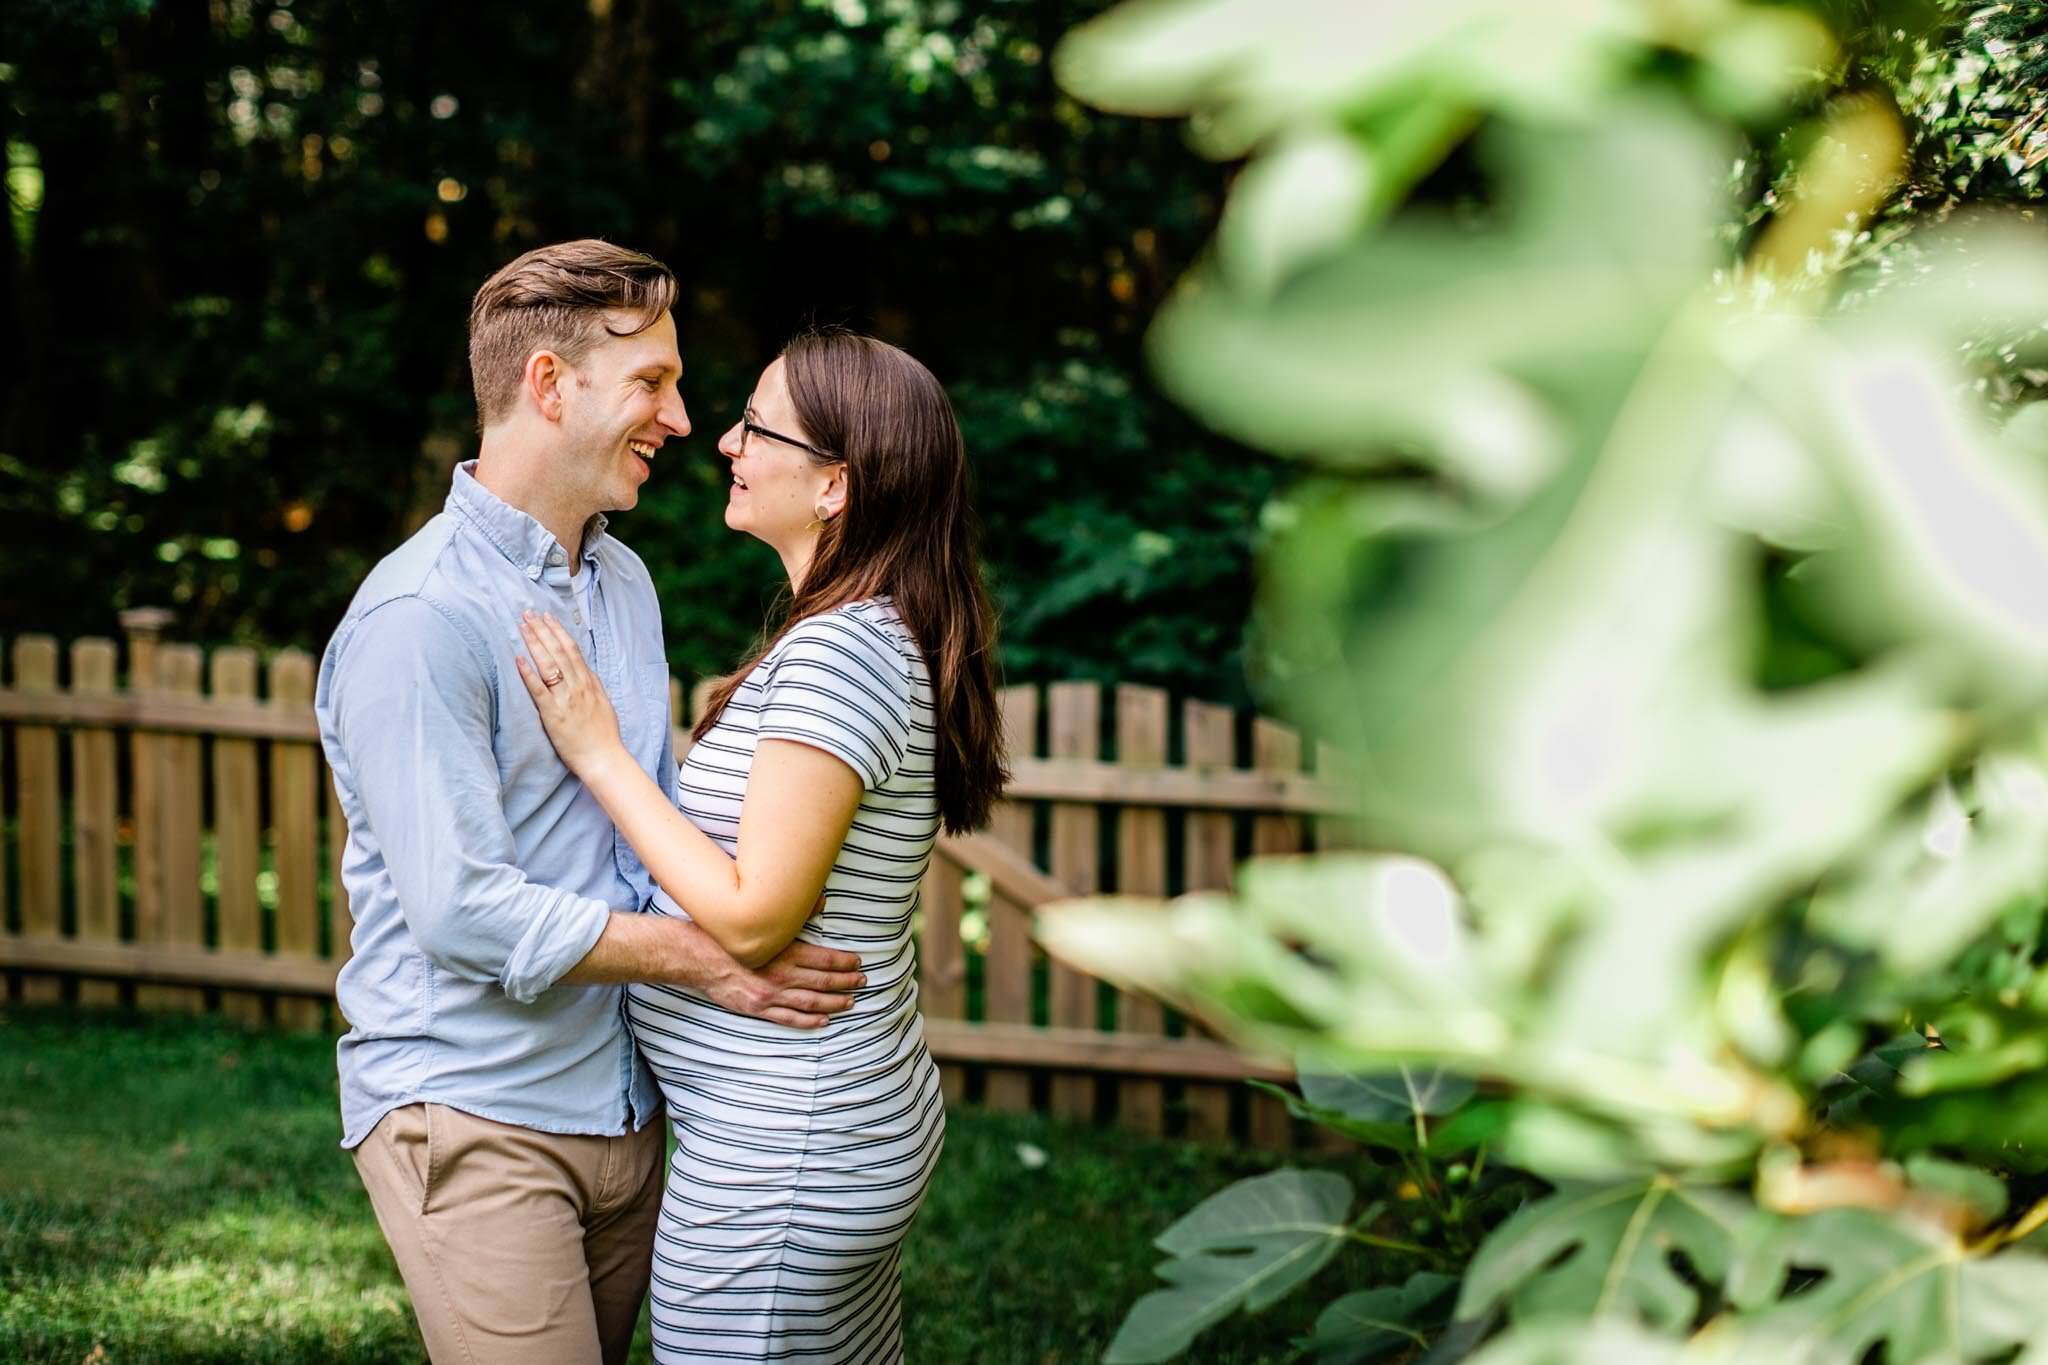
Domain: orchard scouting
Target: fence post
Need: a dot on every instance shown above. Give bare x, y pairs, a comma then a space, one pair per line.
38, 811
95, 815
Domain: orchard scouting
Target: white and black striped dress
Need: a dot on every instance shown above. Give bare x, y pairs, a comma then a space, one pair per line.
802, 1155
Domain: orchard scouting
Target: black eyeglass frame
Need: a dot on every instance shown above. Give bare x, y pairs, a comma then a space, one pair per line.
749, 427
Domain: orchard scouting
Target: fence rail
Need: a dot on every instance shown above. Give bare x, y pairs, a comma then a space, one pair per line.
172, 842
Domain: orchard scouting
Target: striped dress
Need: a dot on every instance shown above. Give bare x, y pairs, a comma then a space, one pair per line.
802, 1155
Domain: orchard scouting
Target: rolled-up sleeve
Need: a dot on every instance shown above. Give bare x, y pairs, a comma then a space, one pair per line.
415, 704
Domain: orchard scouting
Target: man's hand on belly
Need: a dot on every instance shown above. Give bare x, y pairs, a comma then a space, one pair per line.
803, 986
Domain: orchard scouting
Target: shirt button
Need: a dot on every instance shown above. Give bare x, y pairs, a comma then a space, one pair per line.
556, 559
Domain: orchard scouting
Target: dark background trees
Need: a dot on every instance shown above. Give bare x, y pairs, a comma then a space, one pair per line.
245, 233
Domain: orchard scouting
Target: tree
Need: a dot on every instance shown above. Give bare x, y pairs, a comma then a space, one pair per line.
247, 234
1682, 611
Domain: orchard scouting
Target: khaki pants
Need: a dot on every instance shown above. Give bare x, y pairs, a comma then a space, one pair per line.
517, 1246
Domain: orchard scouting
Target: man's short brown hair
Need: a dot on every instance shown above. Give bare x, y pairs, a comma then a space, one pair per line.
554, 298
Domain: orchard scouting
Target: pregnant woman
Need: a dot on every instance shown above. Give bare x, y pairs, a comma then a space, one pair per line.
821, 774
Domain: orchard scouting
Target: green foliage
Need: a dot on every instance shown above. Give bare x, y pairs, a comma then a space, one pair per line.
1591, 1250
1677, 595
1243, 1247
1370, 1323
246, 236
1888, 1284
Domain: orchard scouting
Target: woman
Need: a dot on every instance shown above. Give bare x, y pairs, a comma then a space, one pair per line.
821, 773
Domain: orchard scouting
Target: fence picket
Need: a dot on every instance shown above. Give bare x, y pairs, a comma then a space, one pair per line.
1141, 715
95, 815
237, 823
146, 765
1275, 748
1006, 967
39, 805
941, 960
182, 798
1074, 732
295, 832
1210, 740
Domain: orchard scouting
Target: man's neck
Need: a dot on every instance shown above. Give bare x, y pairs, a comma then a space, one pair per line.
518, 476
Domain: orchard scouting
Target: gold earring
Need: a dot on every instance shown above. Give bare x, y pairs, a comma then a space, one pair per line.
819, 516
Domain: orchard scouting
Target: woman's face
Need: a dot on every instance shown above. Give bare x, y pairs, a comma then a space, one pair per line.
776, 487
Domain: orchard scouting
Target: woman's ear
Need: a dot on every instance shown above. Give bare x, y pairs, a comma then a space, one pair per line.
832, 497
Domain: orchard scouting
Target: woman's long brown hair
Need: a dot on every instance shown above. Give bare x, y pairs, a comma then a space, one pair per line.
907, 531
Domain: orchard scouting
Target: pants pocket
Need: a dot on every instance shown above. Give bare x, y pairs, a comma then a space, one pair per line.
406, 1137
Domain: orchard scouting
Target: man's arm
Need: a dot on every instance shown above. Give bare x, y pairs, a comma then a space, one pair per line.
802, 987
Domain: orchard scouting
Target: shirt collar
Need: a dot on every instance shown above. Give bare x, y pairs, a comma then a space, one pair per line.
517, 536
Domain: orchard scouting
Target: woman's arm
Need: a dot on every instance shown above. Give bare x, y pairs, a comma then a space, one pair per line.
798, 807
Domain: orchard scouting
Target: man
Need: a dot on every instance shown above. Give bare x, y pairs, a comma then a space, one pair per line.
498, 1113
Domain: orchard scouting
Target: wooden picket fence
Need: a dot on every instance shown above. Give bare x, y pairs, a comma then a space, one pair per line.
172, 842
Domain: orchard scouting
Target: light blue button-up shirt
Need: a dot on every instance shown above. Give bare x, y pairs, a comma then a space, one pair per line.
478, 869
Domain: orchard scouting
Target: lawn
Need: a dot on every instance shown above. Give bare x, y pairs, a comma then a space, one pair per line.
170, 1190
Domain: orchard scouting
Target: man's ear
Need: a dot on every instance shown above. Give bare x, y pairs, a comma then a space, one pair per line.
542, 383
833, 497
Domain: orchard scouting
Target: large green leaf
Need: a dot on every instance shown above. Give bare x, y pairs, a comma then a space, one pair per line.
1252, 71
1399, 1137
1910, 1290
1398, 975
1594, 1250
1243, 1247
1367, 1324
1396, 1096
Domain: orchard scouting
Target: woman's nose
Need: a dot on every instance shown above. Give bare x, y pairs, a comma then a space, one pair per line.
729, 444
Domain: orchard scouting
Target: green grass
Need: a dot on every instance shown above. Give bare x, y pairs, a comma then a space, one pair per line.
171, 1191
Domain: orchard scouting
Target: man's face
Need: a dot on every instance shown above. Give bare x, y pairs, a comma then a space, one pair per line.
619, 404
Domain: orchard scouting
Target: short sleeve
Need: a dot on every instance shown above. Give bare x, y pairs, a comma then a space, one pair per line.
839, 684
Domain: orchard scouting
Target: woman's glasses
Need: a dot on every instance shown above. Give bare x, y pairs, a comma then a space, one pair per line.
749, 427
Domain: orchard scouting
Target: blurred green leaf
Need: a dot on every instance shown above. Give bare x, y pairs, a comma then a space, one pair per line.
1887, 1284
1591, 1250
